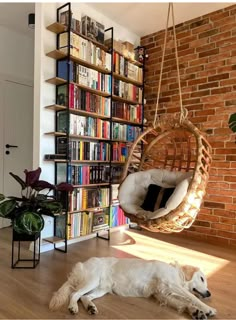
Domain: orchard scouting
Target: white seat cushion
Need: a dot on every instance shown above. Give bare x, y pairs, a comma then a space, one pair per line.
134, 188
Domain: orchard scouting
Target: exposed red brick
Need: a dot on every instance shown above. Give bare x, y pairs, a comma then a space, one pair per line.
207, 58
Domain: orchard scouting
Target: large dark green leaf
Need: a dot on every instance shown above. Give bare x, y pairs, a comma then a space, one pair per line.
2, 197
7, 207
29, 223
232, 122
51, 207
19, 180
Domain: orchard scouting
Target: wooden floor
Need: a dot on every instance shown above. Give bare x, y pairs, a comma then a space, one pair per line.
24, 294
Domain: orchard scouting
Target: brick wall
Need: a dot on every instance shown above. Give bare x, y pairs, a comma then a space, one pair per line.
207, 58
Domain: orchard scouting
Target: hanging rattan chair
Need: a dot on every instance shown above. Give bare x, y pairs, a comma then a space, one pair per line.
175, 144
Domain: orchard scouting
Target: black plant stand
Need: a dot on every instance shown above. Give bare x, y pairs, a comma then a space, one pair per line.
17, 237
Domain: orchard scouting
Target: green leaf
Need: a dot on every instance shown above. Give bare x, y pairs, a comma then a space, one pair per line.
7, 207
2, 197
51, 207
28, 223
19, 180
232, 122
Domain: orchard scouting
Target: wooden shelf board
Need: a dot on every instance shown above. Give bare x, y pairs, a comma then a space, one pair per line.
90, 185
56, 27
97, 209
59, 54
118, 162
56, 81
88, 113
90, 65
88, 137
54, 239
128, 80
57, 134
114, 97
114, 119
56, 107
90, 161
56, 54
137, 63
98, 92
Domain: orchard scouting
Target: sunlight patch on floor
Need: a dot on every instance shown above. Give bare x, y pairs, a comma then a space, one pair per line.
148, 248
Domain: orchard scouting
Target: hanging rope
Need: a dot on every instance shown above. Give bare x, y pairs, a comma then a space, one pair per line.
183, 111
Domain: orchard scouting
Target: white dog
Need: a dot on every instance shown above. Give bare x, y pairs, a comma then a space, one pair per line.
174, 285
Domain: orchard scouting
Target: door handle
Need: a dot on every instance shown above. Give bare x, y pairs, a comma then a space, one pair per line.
10, 146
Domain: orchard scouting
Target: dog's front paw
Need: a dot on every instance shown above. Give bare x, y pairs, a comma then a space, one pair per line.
73, 308
92, 309
199, 315
211, 312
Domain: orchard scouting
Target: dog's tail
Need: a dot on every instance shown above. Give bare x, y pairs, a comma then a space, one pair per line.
61, 296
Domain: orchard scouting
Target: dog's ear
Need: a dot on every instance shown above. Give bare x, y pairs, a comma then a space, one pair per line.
189, 271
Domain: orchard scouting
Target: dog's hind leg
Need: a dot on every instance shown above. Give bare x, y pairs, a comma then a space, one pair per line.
87, 300
91, 284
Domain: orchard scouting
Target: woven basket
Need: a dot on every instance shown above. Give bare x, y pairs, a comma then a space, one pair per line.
173, 146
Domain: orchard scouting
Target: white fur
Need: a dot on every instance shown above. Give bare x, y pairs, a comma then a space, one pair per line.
170, 284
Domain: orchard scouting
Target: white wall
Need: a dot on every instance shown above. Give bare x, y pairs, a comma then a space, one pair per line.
16, 54
44, 93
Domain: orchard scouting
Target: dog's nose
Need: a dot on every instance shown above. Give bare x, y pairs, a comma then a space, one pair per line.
208, 294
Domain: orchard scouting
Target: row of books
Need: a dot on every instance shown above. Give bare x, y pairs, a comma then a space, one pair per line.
127, 111
88, 174
84, 76
81, 198
84, 150
127, 91
84, 49
117, 217
125, 132
83, 126
83, 100
92, 151
122, 66
82, 174
83, 223
120, 151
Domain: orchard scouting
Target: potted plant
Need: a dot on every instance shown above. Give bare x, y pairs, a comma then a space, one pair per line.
232, 122
26, 211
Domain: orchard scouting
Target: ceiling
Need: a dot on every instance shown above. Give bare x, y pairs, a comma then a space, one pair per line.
145, 18
140, 18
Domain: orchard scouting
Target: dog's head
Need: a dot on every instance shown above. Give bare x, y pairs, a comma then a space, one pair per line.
196, 281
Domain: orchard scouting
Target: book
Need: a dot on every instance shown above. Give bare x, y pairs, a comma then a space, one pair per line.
92, 29
62, 121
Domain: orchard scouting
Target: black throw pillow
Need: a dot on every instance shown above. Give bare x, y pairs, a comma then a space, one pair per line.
167, 193
151, 197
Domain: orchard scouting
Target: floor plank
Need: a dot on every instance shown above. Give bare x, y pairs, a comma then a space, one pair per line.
25, 293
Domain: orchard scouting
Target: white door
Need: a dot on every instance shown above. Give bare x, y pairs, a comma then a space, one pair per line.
17, 136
